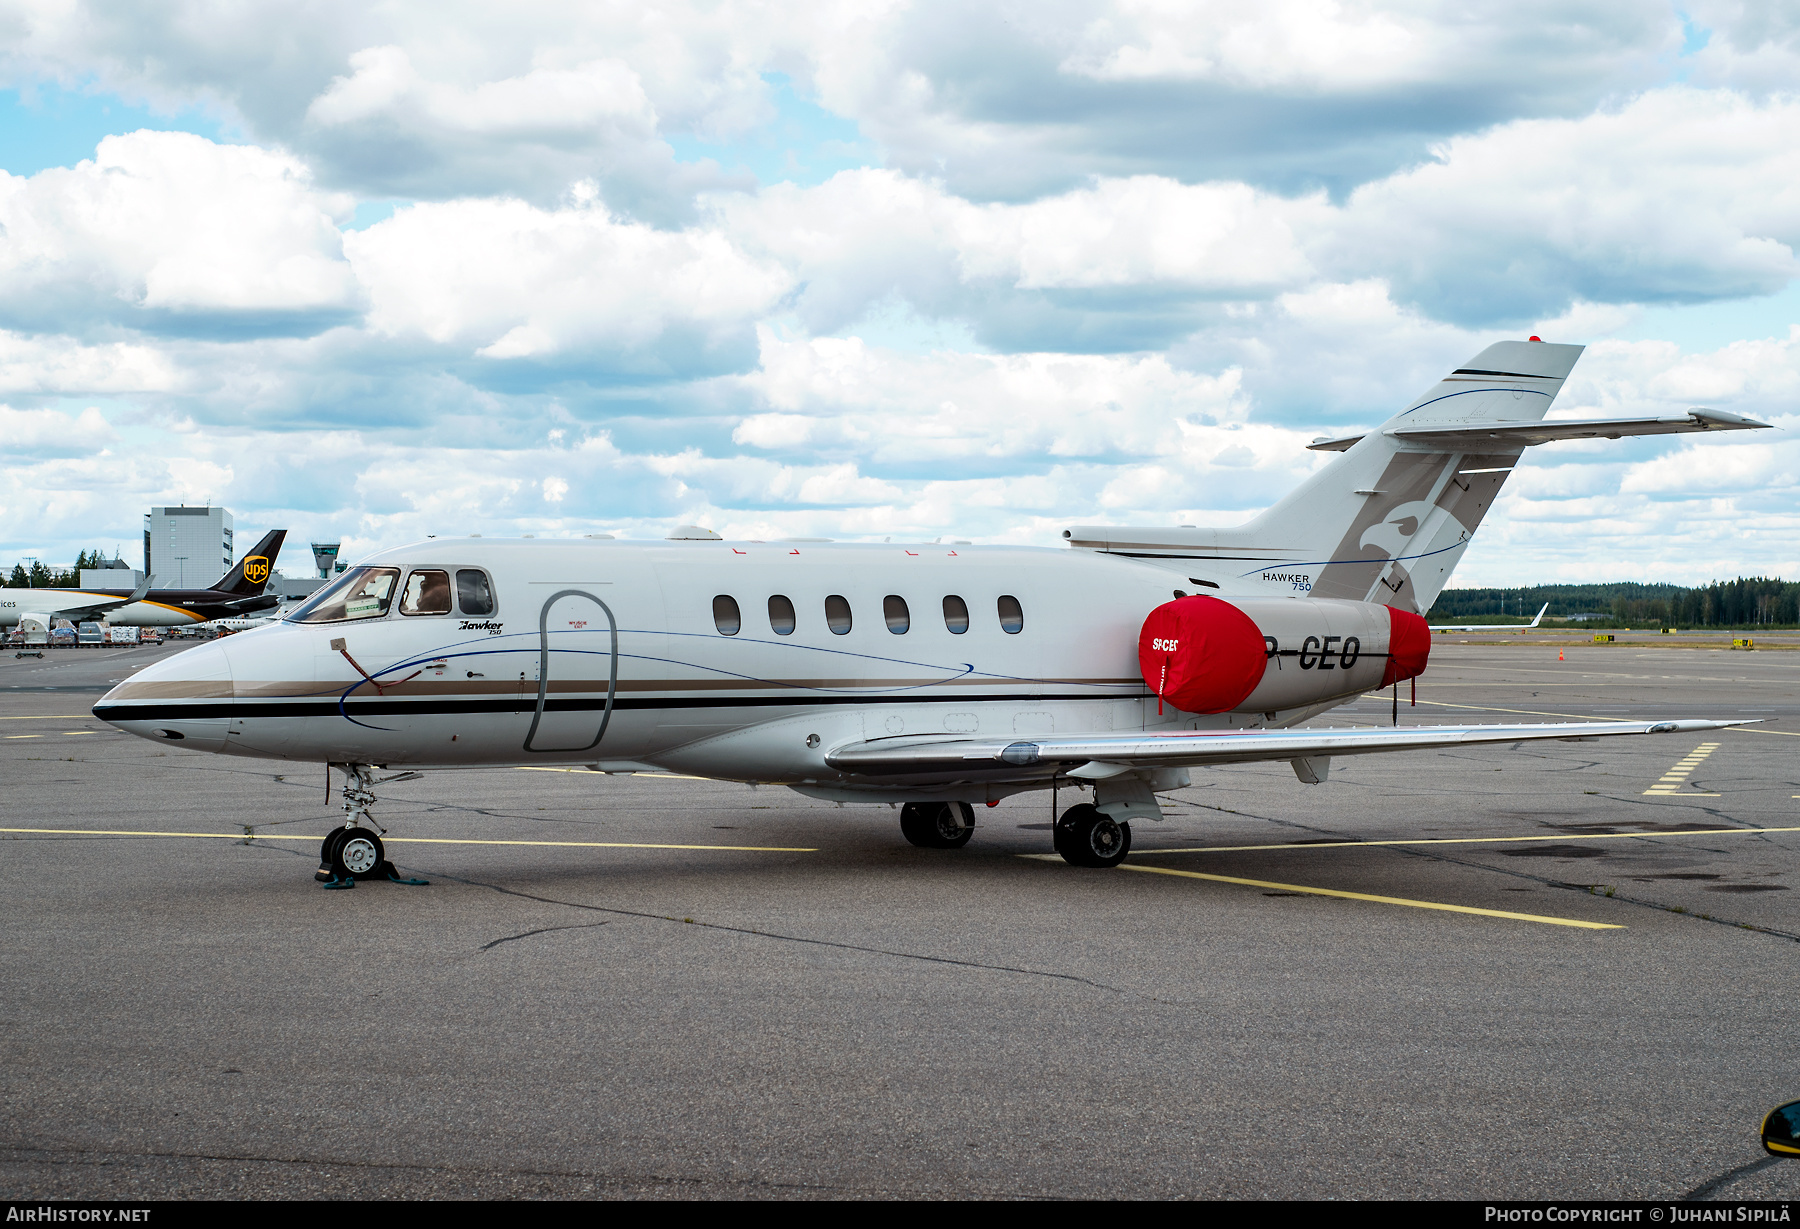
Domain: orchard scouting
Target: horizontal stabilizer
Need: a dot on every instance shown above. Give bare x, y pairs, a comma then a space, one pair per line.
1496, 435
887, 757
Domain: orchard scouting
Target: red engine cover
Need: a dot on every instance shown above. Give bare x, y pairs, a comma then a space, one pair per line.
1409, 644
1202, 655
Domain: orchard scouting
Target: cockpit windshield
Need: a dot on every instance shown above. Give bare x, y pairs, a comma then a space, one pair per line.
360, 593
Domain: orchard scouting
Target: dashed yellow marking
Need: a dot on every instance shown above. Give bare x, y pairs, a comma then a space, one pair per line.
72, 733
1379, 900
10, 736
1676, 777
409, 840
1465, 840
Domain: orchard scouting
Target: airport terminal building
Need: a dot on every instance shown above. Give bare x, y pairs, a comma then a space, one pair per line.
185, 547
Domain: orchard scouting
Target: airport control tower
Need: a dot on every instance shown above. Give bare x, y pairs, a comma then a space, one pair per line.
324, 555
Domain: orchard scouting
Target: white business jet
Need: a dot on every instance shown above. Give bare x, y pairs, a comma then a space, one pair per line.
1493, 627
937, 677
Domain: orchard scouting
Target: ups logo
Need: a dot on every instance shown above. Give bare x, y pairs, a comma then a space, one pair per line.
256, 569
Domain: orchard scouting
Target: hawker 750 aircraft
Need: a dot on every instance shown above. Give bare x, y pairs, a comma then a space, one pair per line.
937, 677
238, 592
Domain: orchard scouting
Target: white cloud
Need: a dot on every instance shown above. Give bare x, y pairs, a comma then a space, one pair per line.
508, 280
829, 395
1120, 202
57, 364
161, 226
1679, 195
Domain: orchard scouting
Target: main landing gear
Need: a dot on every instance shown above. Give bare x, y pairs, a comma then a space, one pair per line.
937, 825
1086, 836
354, 851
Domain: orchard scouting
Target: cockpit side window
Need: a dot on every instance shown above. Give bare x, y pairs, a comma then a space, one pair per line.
473, 593
427, 592
360, 593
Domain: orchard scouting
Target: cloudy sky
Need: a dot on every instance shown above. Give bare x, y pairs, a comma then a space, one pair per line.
372, 271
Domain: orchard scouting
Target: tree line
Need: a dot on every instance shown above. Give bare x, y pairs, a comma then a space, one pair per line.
37, 576
1748, 601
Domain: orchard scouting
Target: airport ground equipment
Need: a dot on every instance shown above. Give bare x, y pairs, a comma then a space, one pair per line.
931, 676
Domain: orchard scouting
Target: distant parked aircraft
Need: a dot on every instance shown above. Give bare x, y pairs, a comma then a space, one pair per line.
1492, 627
237, 593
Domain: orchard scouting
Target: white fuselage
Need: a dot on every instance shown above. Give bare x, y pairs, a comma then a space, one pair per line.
538, 680
16, 602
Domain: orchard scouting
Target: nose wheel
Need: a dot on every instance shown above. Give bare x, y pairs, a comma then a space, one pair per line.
1086, 836
354, 851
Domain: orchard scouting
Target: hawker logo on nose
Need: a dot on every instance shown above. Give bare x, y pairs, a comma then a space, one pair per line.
256, 569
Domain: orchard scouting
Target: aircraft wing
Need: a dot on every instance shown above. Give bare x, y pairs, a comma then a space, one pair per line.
104, 605
1105, 754
1498, 435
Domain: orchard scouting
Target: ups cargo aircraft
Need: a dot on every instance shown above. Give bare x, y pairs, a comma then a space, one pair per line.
238, 592
936, 677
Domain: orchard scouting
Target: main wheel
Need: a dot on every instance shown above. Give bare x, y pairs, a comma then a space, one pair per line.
1086, 836
358, 853
937, 825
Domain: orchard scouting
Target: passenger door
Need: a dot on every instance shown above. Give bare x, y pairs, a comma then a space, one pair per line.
577, 672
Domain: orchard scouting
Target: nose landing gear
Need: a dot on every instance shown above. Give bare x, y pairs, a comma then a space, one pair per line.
354, 851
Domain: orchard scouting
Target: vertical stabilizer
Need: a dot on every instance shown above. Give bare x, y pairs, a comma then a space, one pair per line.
249, 576
1387, 521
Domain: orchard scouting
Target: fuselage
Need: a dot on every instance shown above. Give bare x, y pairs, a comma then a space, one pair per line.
159, 608
746, 661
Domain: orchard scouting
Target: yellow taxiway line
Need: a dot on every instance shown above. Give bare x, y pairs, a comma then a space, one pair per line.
1465, 840
1379, 900
408, 840
54, 717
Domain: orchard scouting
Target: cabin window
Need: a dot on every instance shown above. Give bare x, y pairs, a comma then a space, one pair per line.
956, 614
1012, 618
473, 593
781, 616
360, 593
427, 592
893, 609
725, 615
837, 615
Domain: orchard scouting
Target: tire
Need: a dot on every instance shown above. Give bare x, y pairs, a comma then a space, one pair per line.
914, 825
327, 853
937, 825
1085, 836
358, 854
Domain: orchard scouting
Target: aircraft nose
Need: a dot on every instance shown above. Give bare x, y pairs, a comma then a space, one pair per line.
184, 699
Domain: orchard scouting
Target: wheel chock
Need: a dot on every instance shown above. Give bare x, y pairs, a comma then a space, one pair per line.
394, 876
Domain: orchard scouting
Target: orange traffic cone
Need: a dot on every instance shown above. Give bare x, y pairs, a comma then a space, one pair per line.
1559, 655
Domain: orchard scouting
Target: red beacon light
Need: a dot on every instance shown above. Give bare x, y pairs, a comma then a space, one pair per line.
1534, 339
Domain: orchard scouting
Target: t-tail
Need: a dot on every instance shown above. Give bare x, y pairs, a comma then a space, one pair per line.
250, 575
1389, 519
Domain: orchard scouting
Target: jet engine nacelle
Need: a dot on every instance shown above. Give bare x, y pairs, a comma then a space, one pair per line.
1256, 655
